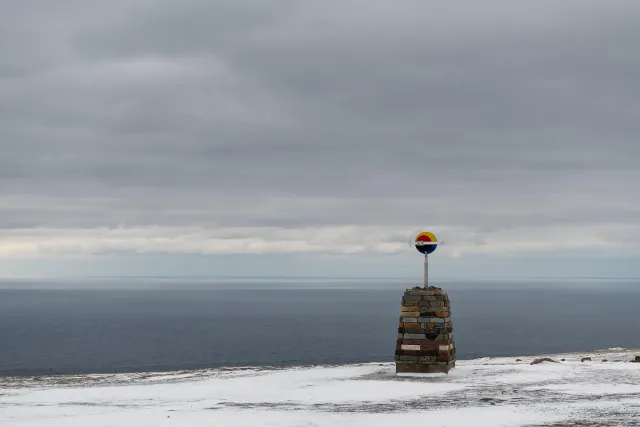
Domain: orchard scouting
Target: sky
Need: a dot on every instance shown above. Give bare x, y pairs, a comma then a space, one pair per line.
315, 138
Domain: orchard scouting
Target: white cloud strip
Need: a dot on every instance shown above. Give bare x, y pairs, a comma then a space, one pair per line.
52, 242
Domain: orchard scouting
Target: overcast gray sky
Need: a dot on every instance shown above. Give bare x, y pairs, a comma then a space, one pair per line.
313, 137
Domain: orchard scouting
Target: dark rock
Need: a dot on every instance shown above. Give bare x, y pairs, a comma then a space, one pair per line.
636, 360
518, 360
585, 359
563, 360
542, 360
604, 360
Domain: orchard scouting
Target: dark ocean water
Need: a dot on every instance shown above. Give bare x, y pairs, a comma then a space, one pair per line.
127, 325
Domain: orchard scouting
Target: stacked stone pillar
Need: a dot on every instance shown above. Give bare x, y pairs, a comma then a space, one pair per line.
425, 332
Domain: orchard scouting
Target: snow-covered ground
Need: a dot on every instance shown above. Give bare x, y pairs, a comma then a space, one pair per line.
485, 392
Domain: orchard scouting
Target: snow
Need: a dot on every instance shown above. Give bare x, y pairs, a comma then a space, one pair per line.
594, 389
484, 392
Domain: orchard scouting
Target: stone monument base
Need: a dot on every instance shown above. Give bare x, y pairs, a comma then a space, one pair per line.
417, 368
425, 333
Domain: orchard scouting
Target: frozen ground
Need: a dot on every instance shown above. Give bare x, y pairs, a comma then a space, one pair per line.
484, 392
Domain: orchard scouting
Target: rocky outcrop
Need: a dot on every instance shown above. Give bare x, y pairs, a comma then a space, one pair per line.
542, 360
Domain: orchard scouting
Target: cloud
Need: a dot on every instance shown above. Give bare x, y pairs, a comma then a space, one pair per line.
342, 240
153, 126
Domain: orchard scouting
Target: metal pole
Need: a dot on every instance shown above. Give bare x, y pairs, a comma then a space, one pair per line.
426, 270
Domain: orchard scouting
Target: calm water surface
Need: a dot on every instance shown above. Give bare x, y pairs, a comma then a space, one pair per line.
138, 325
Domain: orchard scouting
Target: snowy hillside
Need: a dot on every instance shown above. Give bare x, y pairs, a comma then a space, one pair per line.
484, 392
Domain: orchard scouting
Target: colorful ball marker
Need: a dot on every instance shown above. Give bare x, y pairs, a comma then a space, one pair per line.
426, 242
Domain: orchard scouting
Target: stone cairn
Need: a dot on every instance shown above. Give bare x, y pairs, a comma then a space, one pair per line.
425, 333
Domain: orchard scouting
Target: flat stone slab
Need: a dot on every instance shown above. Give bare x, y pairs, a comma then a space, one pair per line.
423, 368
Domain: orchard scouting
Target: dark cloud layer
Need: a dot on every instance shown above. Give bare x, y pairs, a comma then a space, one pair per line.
219, 118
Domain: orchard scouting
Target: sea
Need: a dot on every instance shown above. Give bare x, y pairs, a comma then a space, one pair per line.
119, 325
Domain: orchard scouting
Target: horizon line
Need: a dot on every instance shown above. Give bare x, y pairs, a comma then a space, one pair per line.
411, 278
